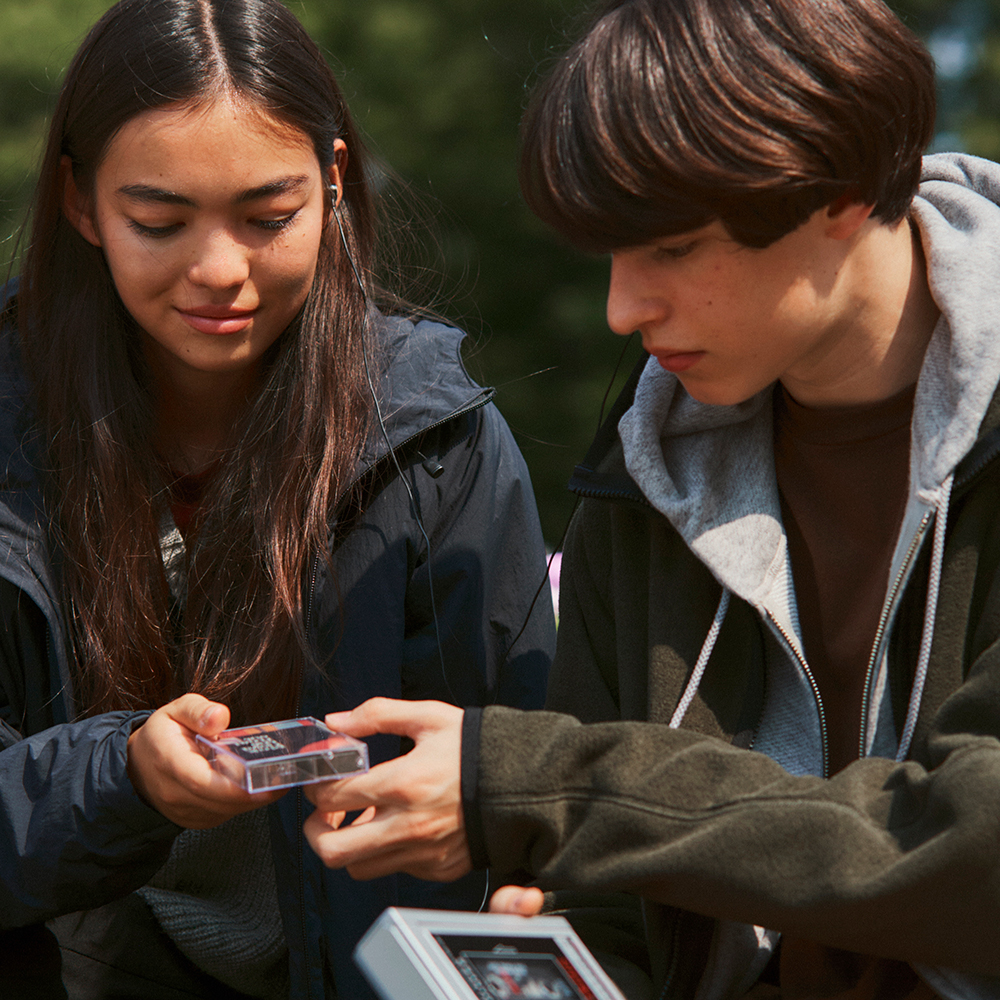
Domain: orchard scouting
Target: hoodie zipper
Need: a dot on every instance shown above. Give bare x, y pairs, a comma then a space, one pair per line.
594, 493
800, 660
887, 608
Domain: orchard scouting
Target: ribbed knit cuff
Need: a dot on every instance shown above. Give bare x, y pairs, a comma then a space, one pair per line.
471, 725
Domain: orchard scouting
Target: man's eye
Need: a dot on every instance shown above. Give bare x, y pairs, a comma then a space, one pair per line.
674, 252
154, 232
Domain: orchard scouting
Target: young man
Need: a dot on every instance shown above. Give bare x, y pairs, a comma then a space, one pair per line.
778, 673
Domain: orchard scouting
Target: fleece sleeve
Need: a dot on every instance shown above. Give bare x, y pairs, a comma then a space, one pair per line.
884, 858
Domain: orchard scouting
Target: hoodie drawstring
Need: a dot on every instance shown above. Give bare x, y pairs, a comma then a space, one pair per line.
699, 668
930, 613
926, 638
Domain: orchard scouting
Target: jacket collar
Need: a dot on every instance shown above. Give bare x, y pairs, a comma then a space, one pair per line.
421, 383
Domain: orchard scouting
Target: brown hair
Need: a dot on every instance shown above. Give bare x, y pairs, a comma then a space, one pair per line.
242, 636
670, 114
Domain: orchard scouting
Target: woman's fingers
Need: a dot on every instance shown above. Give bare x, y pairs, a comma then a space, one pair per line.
169, 771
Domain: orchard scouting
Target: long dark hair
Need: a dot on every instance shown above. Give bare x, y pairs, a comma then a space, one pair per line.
669, 114
242, 636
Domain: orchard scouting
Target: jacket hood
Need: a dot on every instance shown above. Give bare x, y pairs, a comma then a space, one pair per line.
422, 382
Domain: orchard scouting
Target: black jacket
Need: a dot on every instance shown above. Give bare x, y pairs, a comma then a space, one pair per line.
73, 832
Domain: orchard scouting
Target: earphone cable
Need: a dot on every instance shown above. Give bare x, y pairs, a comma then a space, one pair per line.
392, 451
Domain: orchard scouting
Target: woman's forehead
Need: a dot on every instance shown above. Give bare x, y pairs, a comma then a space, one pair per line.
225, 141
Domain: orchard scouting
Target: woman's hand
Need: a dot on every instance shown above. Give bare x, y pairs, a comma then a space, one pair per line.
411, 818
172, 775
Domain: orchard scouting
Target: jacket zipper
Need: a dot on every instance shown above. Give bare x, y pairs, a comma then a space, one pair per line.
887, 608
797, 656
299, 819
675, 939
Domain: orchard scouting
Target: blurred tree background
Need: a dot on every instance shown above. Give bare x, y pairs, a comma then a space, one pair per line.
438, 87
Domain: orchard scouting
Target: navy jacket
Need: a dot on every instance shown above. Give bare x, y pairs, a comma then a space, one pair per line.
73, 832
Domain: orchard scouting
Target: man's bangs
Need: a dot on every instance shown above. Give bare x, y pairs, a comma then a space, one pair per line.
589, 171
653, 125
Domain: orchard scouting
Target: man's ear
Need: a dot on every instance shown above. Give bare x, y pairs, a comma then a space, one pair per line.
846, 216
75, 206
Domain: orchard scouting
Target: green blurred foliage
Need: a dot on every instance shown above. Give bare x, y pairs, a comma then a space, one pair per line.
438, 88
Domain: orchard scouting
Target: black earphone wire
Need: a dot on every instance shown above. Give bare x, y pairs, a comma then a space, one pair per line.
569, 520
388, 443
406, 485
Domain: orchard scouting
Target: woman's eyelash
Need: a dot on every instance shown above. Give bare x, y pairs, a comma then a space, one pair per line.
275, 225
160, 232
156, 232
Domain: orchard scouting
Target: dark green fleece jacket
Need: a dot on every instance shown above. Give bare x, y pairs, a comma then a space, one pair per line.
706, 795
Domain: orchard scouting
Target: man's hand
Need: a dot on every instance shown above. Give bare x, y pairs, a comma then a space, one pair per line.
411, 818
524, 901
172, 775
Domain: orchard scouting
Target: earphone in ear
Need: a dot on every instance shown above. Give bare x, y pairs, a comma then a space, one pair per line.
334, 191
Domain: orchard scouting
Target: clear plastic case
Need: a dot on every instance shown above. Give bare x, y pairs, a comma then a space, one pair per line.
283, 754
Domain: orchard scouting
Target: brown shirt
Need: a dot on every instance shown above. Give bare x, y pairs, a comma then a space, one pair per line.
842, 476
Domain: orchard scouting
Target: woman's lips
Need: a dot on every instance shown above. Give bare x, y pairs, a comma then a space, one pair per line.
218, 322
679, 361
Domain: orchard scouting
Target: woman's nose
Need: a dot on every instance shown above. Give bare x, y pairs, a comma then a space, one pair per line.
220, 262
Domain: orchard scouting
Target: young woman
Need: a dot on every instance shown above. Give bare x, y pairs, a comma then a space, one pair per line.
235, 491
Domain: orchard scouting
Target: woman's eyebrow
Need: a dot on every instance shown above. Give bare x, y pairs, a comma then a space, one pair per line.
160, 196
144, 192
283, 185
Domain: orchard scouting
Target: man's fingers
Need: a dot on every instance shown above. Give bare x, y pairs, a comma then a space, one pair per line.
524, 901
351, 794
432, 868
392, 715
393, 782
336, 844
375, 846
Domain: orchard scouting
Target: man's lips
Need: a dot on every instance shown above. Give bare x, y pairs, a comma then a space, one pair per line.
678, 361
217, 320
